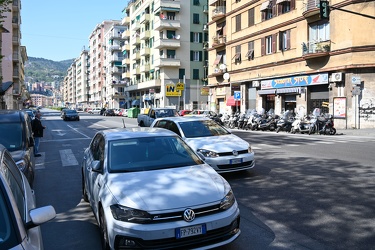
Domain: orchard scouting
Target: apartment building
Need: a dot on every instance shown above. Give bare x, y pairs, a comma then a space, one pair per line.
167, 61
282, 55
97, 64
13, 92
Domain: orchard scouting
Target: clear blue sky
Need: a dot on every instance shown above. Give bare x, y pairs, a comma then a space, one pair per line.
59, 30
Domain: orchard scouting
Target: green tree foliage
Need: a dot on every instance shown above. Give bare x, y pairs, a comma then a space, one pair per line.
4, 7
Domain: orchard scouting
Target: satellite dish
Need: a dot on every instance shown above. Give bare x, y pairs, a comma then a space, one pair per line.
226, 76
222, 66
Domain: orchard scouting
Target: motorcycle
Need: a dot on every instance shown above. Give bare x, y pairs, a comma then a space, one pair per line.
241, 121
301, 125
267, 122
328, 128
233, 120
285, 123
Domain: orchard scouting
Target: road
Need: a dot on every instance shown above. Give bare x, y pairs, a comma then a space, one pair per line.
306, 192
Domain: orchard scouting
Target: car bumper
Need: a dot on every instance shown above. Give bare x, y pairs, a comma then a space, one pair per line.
221, 229
224, 164
71, 118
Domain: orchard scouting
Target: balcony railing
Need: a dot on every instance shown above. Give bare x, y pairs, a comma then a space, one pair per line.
167, 43
312, 49
171, 23
219, 12
219, 41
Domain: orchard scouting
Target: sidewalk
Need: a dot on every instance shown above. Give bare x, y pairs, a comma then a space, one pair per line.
369, 132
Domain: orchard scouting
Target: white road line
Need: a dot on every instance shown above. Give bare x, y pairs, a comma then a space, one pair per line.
61, 140
68, 158
39, 161
79, 132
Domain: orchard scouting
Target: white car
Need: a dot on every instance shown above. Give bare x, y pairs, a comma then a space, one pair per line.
224, 151
149, 190
95, 111
19, 217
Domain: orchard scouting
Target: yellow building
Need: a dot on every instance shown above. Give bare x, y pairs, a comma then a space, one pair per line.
282, 55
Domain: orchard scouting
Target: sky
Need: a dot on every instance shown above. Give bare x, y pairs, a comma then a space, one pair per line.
60, 30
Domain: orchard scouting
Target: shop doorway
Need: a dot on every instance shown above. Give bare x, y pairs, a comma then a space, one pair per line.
269, 102
289, 102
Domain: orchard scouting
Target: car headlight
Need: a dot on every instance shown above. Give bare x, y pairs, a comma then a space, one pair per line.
21, 164
227, 201
207, 153
128, 214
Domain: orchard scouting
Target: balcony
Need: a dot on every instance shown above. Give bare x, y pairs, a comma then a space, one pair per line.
170, 61
169, 4
313, 49
126, 34
218, 41
126, 74
217, 71
205, 27
145, 18
145, 68
125, 20
114, 47
136, 71
205, 9
167, 43
144, 51
135, 55
135, 39
170, 24
115, 58
311, 8
126, 47
218, 13
144, 35
149, 84
135, 26
126, 61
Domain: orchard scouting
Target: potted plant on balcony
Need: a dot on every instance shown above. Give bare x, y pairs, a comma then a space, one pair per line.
327, 48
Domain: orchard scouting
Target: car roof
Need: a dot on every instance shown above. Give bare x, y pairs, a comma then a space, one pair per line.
137, 132
185, 118
11, 115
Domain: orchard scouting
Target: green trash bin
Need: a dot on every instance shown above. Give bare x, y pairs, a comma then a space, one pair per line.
133, 112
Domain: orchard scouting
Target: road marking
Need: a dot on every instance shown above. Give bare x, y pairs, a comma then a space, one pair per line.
61, 140
68, 158
39, 161
79, 132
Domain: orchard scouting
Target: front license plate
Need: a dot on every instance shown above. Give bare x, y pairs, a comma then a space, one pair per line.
190, 231
236, 161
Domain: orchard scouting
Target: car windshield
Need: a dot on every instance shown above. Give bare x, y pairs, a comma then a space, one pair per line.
11, 136
151, 153
71, 111
204, 128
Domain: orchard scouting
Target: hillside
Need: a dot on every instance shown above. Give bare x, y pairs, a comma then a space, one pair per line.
44, 70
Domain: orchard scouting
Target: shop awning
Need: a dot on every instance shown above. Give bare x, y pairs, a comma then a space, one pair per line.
232, 102
135, 102
267, 92
264, 6
217, 60
288, 90
281, 1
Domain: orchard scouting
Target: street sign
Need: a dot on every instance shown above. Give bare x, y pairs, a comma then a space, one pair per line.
356, 80
356, 90
237, 95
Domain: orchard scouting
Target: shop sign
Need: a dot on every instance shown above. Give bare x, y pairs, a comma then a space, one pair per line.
295, 81
205, 91
220, 91
235, 86
180, 86
171, 90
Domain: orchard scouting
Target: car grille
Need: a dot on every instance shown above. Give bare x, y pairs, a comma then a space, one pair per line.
175, 216
231, 153
209, 238
238, 165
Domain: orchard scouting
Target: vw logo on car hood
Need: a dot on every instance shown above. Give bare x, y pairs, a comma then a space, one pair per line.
235, 153
189, 215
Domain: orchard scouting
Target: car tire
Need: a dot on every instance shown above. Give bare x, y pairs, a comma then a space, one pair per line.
103, 230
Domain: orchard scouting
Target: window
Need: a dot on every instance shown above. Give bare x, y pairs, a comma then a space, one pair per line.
250, 51
181, 73
251, 17
237, 55
266, 9
284, 40
196, 37
196, 18
195, 74
238, 22
319, 31
285, 6
171, 34
196, 2
171, 53
196, 56
269, 45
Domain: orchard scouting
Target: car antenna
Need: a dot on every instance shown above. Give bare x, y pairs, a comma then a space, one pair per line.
123, 122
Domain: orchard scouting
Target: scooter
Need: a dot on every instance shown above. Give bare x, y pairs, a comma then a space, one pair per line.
328, 128
285, 123
301, 125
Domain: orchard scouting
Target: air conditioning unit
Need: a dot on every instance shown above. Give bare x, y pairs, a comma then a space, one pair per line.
336, 77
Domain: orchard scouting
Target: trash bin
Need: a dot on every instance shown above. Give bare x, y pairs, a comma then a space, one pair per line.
133, 112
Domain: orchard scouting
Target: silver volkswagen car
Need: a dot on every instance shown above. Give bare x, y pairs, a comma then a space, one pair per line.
149, 190
224, 151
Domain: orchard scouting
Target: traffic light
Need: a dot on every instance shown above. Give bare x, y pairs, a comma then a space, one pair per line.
324, 9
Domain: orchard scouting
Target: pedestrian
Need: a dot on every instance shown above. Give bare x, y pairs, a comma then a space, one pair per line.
38, 132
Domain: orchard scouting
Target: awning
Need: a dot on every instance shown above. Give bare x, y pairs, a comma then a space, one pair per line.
237, 56
281, 1
250, 53
170, 9
135, 102
267, 92
288, 90
232, 102
212, 2
217, 60
264, 6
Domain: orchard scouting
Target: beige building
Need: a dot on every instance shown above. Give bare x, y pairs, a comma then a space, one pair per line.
167, 58
281, 55
13, 90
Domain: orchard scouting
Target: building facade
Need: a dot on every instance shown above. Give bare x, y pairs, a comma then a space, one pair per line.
282, 55
167, 59
14, 58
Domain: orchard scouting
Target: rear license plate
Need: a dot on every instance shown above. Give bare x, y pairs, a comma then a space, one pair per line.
190, 231
235, 161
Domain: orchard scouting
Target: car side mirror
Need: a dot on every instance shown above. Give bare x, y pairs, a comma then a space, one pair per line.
40, 216
96, 166
201, 156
